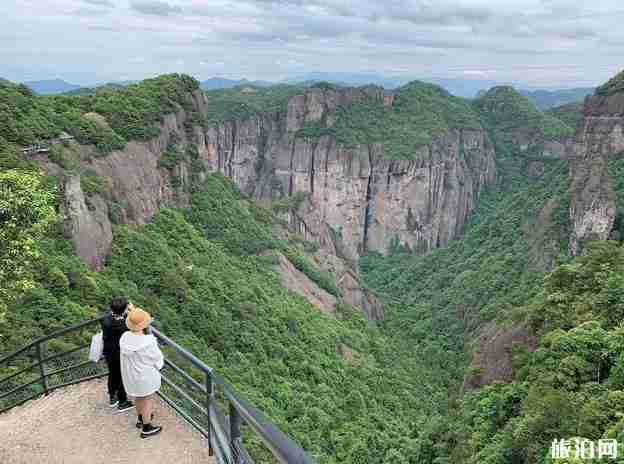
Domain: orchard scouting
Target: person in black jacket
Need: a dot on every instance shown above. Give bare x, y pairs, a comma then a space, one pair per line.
113, 327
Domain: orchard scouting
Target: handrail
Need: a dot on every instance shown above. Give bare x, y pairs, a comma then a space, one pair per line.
223, 432
50, 336
188, 355
282, 447
39, 367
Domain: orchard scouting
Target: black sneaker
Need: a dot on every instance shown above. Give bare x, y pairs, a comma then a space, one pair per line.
139, 424
113, 401
150, 430
124, 406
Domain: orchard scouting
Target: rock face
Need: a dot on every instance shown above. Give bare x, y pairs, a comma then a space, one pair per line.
298, 282
357, 200
348, 283
592, 204
134, 182
88, 223
492, 361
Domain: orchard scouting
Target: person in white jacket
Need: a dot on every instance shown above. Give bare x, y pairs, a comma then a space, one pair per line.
141, 361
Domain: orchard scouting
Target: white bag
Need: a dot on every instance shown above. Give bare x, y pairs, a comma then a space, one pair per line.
97, 347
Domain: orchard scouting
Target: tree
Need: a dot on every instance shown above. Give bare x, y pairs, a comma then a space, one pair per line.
26, 212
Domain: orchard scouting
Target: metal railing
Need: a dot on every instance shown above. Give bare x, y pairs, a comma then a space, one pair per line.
190, 387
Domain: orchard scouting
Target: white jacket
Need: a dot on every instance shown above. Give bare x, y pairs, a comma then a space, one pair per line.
141, 361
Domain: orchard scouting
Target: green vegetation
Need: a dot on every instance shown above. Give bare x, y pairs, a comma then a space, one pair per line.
545, 99
207, 273
135, 111
172, 156
572, 385
199, 272
130, 113
612, 86
571, 114
289, 204
616, 173
89, 91
325, 280
246, 102
420, 112
91, 183
492, 268
507, 114
313, 130
324, 85
26, 211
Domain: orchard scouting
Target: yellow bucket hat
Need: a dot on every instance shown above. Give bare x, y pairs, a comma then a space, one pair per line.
138, 319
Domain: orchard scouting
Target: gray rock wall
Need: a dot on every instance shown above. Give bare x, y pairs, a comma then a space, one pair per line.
357, 199
592, 203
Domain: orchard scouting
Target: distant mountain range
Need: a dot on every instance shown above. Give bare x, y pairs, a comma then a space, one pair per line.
546, 99
215, 83
345, 78
51, 87
467, 88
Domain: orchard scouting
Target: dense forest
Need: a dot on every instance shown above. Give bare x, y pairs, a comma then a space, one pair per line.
419, 113
207, 272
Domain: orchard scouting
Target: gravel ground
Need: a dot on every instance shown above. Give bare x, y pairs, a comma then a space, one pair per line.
75, 426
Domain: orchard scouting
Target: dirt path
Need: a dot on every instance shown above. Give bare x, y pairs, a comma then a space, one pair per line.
75, 426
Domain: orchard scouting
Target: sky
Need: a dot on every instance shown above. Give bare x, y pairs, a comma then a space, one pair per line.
549, 43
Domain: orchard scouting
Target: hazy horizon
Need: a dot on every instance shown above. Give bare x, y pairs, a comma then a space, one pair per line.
535, 43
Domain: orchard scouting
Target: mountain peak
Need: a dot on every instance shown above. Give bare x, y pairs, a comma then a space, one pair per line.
612, 86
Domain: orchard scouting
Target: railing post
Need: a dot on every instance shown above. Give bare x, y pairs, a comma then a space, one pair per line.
209, 395
235, 433
44, 379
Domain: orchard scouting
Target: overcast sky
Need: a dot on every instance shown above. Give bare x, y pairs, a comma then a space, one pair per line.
537, 42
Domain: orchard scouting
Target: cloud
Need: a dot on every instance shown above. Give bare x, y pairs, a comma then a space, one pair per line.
104, 3
104, 28
549, 42
154, 7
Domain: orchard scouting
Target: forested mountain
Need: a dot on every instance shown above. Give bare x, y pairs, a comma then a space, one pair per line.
546, 99
215, 83
464, 256
571, 113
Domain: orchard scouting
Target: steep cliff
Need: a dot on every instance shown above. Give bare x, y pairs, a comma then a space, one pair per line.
531, 149
378, 169
599, 138
132, 184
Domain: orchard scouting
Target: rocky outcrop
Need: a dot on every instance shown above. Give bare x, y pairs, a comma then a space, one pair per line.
357, 199
296, 281
136, 187
592, 202
492, 361
133, 182
348, 282
87, 222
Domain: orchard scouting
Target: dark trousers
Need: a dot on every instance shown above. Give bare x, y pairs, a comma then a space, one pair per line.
115, 384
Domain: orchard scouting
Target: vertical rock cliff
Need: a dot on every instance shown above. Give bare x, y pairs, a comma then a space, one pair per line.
134, 183
357, 199
137, 182
592, 203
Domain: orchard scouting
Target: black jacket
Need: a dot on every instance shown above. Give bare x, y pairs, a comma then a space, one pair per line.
113, 327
